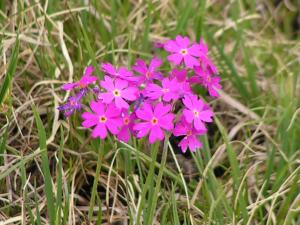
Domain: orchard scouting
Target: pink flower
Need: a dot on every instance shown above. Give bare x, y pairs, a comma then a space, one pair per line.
211, 83
117, 90
156, 120
196, 112
190, 134
85, 81
182, 51
122, 72
148, 73
168, 91
205, 61
127, 127
181, 76
104, 117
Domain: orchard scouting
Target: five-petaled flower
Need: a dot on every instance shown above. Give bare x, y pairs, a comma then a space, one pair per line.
190, 139
154, 120
207, 80
148, 73
117, 90
169, 90
84, 82
103, 117
196, 112
182, 50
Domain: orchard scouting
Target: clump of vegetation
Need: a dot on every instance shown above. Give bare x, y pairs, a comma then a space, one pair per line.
53, 172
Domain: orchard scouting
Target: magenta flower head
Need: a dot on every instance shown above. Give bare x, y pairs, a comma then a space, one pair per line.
155, 120
127, 127
196, 112
103, 117
190, 136
85, 81
182, 51
148, 73
210, 82
122, 72
117, 91
169, 90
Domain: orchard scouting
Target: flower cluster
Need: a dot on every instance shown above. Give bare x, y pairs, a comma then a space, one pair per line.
148, 100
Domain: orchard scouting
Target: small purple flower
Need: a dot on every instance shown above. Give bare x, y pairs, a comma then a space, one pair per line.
181, 50
103, 117
117, 90
85, 81
169, 90
190, 139
196, 112
156, 120
73, 103
148, 73
122, 72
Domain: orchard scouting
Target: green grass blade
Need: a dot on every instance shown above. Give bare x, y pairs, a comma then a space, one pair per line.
45, 166
10, 72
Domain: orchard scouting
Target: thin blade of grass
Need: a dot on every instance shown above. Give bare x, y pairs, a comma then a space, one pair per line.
45, 166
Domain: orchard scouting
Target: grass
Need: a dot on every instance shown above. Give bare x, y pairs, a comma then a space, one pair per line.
52, 172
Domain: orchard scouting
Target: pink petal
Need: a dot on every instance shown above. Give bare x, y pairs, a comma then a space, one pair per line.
97, 107
113, 125
142, 128
130, 94
161, 109
206, 115
171, 46
183, 144
156, 134
112, 111
195, 50
106, 97
120, 103
120, 84
69, 86
99, 131
89, 119
188, 115
183, 42
180, 130
199, 125
166, 121
89, 70
107, 83
124, 134
155, 63
108, 68
187, 101
190, 61
175, 58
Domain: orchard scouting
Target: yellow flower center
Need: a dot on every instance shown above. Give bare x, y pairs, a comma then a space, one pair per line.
165, 90
189, 133
126, 121
154, 121
117, 93
184, 51
102, 119
196, 113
